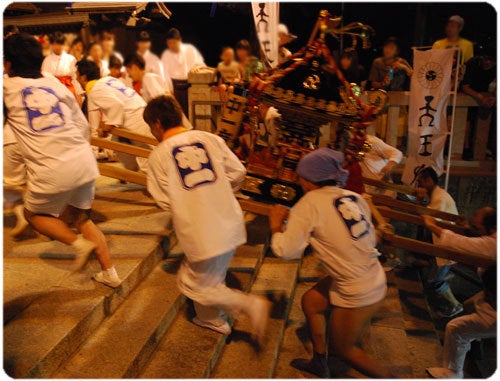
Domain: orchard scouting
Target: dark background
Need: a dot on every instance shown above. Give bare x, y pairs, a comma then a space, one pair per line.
414, 24
210, 26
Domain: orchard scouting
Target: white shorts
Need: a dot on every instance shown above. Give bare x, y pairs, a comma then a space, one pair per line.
54, 204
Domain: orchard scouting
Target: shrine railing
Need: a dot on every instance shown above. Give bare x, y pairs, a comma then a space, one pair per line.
388, 127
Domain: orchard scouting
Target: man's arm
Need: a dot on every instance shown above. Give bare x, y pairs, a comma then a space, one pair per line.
290, 243
158, 182
389, 153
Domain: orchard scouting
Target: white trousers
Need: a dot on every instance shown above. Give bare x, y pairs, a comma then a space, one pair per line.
204, 282
460, 332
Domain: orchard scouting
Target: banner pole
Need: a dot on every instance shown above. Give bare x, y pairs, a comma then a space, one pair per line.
453, 108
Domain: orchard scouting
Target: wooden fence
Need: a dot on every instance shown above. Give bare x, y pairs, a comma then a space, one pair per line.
389, 131
383, 208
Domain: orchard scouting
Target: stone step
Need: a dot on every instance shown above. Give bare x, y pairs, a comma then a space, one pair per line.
276, 279
50, 317
189, 351
125, 340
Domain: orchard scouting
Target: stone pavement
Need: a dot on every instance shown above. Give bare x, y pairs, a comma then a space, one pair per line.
62, 325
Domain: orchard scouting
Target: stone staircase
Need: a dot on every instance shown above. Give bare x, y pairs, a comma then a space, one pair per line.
66, 326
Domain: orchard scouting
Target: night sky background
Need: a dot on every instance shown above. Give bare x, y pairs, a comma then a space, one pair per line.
212, 25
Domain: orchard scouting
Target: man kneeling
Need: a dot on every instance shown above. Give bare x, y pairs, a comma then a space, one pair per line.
337, 224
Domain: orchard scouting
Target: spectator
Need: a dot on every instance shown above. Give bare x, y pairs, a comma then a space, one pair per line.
480, 83
228, 70
430, 194
107, 40
62, 65
179, 59
94, 53
390, 72
77, 49
462, 331
249, 64
351, 69
44, 40
454, 27
153, 63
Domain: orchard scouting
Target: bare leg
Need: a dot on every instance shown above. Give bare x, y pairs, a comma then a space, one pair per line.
347, 326
51, 226
315, 302
92, 233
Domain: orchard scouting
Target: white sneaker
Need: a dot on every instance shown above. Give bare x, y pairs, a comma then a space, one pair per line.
259, 316
223, 328
108, 277
83, 250
21, 223
443, 373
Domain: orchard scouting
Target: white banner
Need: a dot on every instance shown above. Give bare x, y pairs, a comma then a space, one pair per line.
266, 17
427, 127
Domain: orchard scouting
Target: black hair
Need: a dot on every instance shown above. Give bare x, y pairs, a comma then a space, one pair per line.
57, 38
392, 40
106, 31
115, 62
489, 279
490, 220
429, 172
77, 40
9, 30
24, 53
88, 69
135, 59
91, 45
164, 109
173, 34
143, 36
326, 183
243, 44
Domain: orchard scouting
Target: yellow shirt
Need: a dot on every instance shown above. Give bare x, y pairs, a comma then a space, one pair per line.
465, 46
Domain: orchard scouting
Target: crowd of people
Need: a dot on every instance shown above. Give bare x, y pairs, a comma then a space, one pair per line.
58, 93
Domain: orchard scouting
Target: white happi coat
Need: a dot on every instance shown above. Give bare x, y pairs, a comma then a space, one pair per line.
120, 105
178, 65
193, 174
337, 224
52, 133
